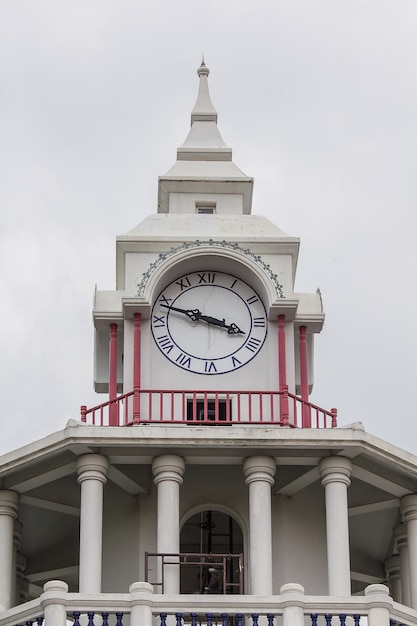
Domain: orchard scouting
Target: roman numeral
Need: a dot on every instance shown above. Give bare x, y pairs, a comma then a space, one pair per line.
253, 344
252, 300
209, 366
183, 283
165, 343
158, 321
236, 361
233, 283
207, 277
259, 321
164, 300
183, 360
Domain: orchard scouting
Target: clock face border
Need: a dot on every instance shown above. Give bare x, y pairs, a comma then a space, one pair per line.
209, 348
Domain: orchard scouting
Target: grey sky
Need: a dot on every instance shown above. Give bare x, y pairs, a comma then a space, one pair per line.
318, 100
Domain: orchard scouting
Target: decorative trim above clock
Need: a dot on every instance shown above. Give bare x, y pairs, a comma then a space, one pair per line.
228, 245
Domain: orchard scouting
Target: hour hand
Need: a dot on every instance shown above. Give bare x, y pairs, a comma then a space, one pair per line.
232, 329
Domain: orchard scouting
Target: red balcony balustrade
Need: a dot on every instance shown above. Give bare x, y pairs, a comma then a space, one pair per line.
220, 408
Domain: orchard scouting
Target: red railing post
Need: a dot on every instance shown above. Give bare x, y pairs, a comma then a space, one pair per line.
113, 406
282, 359
334, 417
284, 408
306, 415
83, 410
136, 367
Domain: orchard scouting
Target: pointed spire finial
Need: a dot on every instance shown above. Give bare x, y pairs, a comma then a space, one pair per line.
203, 69
203, 109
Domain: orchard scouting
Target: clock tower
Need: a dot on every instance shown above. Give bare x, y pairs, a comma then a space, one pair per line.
207, 488
205, 293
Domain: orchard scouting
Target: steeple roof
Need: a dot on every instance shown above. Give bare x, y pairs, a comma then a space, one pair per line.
204, 161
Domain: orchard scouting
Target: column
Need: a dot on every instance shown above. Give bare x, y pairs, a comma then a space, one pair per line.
393, 573
335, 473
113, 409
136, 367
259, 473
304, 376
401, 543
92, 472
17, 562
282, 372
9, 501
282, 354
409, 513
168, 471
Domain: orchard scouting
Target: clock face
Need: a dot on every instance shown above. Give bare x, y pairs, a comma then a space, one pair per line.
209, 322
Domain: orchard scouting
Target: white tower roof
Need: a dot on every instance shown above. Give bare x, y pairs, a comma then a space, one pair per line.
204, 162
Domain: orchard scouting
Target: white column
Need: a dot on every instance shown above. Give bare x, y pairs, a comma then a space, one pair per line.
9, 501
401, 543
335, 472
18, 562
409, 513
393, 572
259, 472
92, 472
168, 471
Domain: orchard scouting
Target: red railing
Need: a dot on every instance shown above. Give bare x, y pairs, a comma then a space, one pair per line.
156, 406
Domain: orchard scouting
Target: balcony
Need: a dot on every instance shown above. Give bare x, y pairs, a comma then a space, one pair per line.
141, 607
219, 408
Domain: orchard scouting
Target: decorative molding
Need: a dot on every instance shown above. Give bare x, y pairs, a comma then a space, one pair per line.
210, 242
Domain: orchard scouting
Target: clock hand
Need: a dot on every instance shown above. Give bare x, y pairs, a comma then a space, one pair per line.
195, 315
232, 329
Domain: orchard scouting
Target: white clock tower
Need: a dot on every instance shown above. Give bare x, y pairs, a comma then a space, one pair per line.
207, 488
205, 292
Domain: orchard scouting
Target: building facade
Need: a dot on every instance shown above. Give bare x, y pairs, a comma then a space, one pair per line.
206, 483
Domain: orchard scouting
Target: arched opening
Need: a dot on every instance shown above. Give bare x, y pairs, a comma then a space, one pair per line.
214, 542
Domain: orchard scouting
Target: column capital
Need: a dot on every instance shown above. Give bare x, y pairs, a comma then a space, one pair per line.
335, 469
408, 507
168, 467
259, 468
9, 503
92, 467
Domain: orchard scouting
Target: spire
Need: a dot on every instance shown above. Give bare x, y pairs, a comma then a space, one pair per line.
204, 169
203, 110
204, 142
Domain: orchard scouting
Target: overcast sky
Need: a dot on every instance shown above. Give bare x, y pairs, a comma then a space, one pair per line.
317, 98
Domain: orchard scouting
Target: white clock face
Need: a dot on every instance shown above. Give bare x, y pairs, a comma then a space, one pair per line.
209, 322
